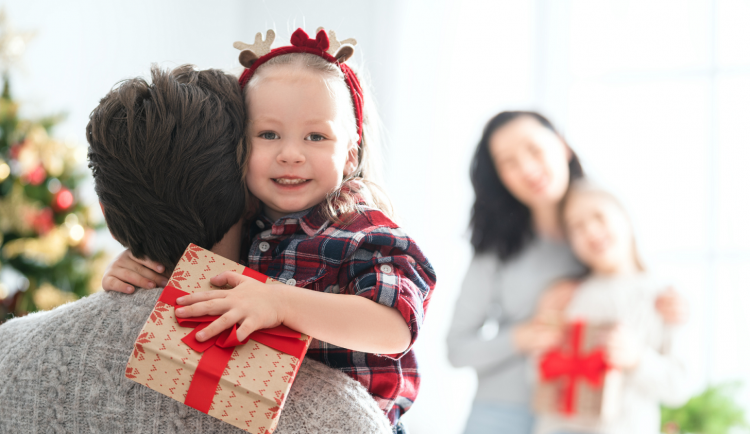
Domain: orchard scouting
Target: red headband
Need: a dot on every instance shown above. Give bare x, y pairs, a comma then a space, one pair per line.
302, 43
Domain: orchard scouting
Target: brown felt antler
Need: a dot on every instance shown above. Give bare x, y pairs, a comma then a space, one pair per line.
252, 52
341, 50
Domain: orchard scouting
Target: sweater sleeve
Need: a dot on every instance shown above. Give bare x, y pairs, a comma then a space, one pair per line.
466, 347
662, 375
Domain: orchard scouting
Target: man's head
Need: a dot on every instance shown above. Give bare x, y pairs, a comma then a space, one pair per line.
167, 160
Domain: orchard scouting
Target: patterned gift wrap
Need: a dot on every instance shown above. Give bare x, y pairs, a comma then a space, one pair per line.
243, 384
575, 380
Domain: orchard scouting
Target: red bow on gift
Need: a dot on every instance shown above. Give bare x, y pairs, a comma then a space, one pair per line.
575, 366
218, 350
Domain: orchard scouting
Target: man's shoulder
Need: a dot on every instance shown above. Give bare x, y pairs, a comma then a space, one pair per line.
83, 312
45, 356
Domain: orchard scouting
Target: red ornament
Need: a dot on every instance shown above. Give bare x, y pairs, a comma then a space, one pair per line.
43, 222
36, 176
63, 200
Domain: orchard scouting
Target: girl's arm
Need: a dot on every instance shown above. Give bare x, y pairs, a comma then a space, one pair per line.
672, 307
127, 272
659, 374
347, 321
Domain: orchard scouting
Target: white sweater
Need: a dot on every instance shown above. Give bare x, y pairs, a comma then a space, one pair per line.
659, 378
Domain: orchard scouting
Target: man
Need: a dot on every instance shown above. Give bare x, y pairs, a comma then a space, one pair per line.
167, 162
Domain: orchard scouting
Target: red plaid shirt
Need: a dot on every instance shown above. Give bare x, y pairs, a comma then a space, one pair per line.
369, 256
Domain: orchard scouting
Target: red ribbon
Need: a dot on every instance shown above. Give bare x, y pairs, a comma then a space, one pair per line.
218, 350
574, 366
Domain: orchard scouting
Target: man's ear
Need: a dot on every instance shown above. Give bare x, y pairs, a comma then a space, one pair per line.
102, 207
352, 159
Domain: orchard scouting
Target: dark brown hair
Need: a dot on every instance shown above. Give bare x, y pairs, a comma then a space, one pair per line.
167, 160
500, 223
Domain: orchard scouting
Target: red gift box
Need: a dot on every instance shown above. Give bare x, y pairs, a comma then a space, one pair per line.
242, 383
574, 378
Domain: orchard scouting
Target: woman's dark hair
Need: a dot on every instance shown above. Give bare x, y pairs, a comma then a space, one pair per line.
500, 223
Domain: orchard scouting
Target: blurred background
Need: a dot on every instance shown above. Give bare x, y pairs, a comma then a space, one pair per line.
654, 96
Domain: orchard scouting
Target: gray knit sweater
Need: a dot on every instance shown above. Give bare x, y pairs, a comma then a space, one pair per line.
63, 371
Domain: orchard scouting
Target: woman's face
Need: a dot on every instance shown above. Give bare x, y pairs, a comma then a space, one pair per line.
599, 233
532, 161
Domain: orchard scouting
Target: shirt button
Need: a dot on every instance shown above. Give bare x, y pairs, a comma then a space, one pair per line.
264, 246
291, 282
385, 268
260, 224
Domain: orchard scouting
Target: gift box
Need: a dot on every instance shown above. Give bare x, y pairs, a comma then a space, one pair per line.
242, 383
574, 379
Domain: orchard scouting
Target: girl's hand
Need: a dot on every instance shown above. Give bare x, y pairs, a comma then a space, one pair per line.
672, 307
554, 301
252, 304
534, 337
127, 271
623, 351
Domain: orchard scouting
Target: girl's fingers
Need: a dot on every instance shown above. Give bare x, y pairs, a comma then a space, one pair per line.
245, 329
224, 322
189, 299
215, 306
147, 263
111, 283
132, 277
228, 278
148, 273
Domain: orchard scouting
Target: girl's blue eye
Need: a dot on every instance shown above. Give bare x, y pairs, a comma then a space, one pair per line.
314, 137
268, 135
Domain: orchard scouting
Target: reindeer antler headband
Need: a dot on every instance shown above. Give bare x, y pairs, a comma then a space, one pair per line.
324, 45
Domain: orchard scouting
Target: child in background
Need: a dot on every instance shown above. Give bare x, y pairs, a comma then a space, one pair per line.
354, 280
617, 290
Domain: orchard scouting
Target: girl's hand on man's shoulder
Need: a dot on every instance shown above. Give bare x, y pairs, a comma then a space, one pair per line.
127, 272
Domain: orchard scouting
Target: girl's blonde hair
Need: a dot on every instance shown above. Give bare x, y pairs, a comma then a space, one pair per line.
342, 202
583, 186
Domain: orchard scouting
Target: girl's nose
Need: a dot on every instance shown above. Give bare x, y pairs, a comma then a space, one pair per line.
291, 153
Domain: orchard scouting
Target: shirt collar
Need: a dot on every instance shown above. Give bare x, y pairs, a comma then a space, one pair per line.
312, 221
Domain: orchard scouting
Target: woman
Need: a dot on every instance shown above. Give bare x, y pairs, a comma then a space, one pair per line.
521, 170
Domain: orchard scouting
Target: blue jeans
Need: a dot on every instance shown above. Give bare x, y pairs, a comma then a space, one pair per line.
494, 418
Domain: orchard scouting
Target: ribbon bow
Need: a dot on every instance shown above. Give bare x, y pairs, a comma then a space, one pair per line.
574, 365
301, 39
218, 350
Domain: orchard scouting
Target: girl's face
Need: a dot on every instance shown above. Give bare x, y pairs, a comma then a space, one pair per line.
300, 150
599, 233
532, 161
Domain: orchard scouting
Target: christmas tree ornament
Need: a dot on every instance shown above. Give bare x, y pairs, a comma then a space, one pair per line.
12, 43
63, 200
45, 232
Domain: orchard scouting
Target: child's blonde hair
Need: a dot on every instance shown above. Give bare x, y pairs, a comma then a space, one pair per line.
583, 186
342, 202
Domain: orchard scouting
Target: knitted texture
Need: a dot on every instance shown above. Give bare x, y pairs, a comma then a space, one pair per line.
63, 371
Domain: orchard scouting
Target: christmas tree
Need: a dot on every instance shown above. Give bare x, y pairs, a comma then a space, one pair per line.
46, 233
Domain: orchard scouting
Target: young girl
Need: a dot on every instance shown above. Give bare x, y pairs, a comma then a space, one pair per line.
617, 290
354, 280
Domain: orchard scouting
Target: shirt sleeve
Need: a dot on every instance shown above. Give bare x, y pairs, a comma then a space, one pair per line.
466, 347
390, 269
661, 374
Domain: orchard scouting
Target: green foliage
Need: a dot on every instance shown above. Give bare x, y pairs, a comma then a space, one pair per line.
712, 412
